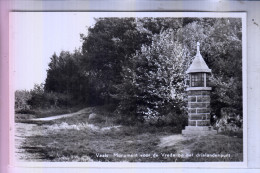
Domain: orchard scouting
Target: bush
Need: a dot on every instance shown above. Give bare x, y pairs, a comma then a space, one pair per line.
230, 123
226, 96
22, 117
41, 99
176, 120
25, 111
154, 79
173, 117
58, 99
21, 98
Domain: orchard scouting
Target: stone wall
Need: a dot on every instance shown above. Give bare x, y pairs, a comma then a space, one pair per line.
199, 108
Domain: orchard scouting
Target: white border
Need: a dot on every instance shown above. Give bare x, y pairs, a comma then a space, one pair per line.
243, 164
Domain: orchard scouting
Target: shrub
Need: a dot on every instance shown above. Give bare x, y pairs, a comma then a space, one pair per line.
173, 117
25, 111
154, 79
21, 98
20, 117
230, 123
41, 99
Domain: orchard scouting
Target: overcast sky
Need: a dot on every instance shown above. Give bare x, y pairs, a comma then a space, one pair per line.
35, 36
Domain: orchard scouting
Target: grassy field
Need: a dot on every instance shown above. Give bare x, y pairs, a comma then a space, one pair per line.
103, 138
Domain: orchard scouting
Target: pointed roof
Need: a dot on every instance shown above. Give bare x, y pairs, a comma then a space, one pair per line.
198, 64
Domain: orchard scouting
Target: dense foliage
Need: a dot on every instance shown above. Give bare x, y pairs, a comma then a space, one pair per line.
105, 50
138, 65
153, 79
21, 98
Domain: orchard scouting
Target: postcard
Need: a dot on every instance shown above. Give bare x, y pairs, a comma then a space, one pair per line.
128, 89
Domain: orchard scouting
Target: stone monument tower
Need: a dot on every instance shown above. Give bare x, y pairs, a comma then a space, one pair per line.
198, 97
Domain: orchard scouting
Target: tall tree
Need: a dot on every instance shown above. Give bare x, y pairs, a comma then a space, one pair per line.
105, 49
109, 44
65, 75
154, 78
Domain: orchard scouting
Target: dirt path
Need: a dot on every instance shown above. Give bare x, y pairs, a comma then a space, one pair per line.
83, 111
22, 131
25, 130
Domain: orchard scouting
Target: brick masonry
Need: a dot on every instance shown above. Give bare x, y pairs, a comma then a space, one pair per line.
199, 108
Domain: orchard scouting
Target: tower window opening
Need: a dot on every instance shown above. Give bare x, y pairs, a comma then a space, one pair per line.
197, 80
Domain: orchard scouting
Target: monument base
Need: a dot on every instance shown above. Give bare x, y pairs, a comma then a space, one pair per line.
198, 130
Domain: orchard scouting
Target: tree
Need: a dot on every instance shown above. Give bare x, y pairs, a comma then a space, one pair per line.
105, 50
37, 96
62, 73
153, 81
140, 63
66, 76
109, 44
227, 62
159, 24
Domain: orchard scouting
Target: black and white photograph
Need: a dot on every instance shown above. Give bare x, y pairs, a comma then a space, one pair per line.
128, 87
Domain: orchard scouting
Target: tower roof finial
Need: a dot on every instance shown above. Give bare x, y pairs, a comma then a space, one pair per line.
198, 64
198, 48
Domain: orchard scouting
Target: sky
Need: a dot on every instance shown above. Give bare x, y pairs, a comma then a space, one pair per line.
35, 36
